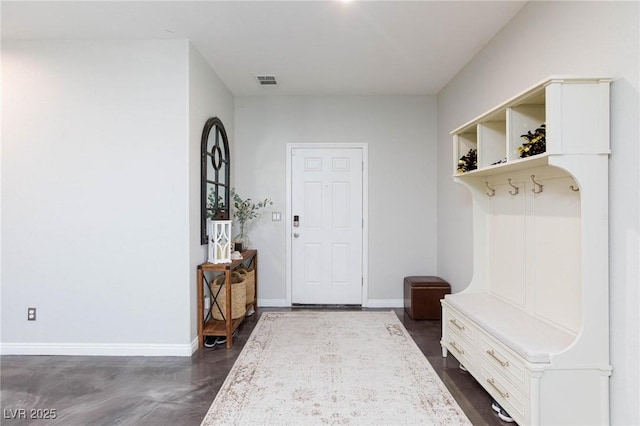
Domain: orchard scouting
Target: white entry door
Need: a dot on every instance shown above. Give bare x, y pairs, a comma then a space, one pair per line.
327, 237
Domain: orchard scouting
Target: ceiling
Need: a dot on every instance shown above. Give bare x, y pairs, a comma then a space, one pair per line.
324, 47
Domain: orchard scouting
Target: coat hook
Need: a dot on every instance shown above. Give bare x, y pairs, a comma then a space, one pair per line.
493, 191
574, 188
538, 188
517, 190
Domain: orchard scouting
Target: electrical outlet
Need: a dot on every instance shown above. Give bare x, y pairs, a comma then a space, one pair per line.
31, 314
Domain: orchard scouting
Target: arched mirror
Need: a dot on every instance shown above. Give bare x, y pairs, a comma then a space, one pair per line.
215, 175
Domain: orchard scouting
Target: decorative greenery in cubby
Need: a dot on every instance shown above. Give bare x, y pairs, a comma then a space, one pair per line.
536, 143
468, 162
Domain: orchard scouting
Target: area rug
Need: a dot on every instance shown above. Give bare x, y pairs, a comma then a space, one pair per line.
327, 367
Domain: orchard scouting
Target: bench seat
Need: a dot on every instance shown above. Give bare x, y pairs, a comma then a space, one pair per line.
533, 339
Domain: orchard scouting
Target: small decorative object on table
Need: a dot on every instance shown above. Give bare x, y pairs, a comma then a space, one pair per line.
219, 234
536, 142
468, 162
244, 211
236, 255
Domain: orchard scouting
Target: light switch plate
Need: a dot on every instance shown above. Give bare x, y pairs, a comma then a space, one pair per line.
275, 216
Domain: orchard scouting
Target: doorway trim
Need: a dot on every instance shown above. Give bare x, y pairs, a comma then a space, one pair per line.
365, 212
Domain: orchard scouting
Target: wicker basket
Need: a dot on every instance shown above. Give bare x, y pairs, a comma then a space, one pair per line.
250, 281
238, 297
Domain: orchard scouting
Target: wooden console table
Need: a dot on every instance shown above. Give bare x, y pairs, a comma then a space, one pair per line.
207, 325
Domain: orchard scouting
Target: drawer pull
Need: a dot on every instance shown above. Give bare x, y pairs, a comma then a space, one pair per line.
455, 346
494, 356
454, 322
493, 384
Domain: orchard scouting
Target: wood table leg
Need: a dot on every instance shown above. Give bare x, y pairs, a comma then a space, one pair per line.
229, 322
199, 273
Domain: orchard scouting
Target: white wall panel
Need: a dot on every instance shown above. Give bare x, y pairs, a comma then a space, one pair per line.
94, 192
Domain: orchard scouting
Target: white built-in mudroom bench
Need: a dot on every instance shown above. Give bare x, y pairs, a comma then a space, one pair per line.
532, 327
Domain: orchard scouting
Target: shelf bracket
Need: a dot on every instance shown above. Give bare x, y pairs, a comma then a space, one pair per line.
517, 190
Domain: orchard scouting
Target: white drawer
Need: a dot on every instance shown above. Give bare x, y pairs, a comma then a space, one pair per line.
458, 323
504, 361
515, 402
464, 351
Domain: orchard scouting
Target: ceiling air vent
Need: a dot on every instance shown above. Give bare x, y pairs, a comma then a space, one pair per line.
266, 80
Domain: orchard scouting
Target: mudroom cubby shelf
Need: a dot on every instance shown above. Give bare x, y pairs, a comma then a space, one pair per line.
532, 326
562, 104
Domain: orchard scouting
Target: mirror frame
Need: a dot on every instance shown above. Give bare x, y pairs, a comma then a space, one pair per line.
218, 154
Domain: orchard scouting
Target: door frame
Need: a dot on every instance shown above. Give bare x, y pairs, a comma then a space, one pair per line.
365, 212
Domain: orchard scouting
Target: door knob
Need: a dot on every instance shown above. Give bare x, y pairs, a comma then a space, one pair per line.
296, 235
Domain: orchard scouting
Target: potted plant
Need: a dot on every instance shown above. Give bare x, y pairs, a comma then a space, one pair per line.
243, 212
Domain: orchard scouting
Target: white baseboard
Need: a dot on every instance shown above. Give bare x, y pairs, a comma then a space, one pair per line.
98, 349
385, 303
371, 303
273, 303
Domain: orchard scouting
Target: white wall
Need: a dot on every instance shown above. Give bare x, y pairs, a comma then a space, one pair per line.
208, 97
400, 133
545, 38
95, 220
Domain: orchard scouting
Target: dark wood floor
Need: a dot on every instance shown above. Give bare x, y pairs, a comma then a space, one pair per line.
173, 390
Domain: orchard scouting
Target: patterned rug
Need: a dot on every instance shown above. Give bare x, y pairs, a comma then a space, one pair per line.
342, 368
